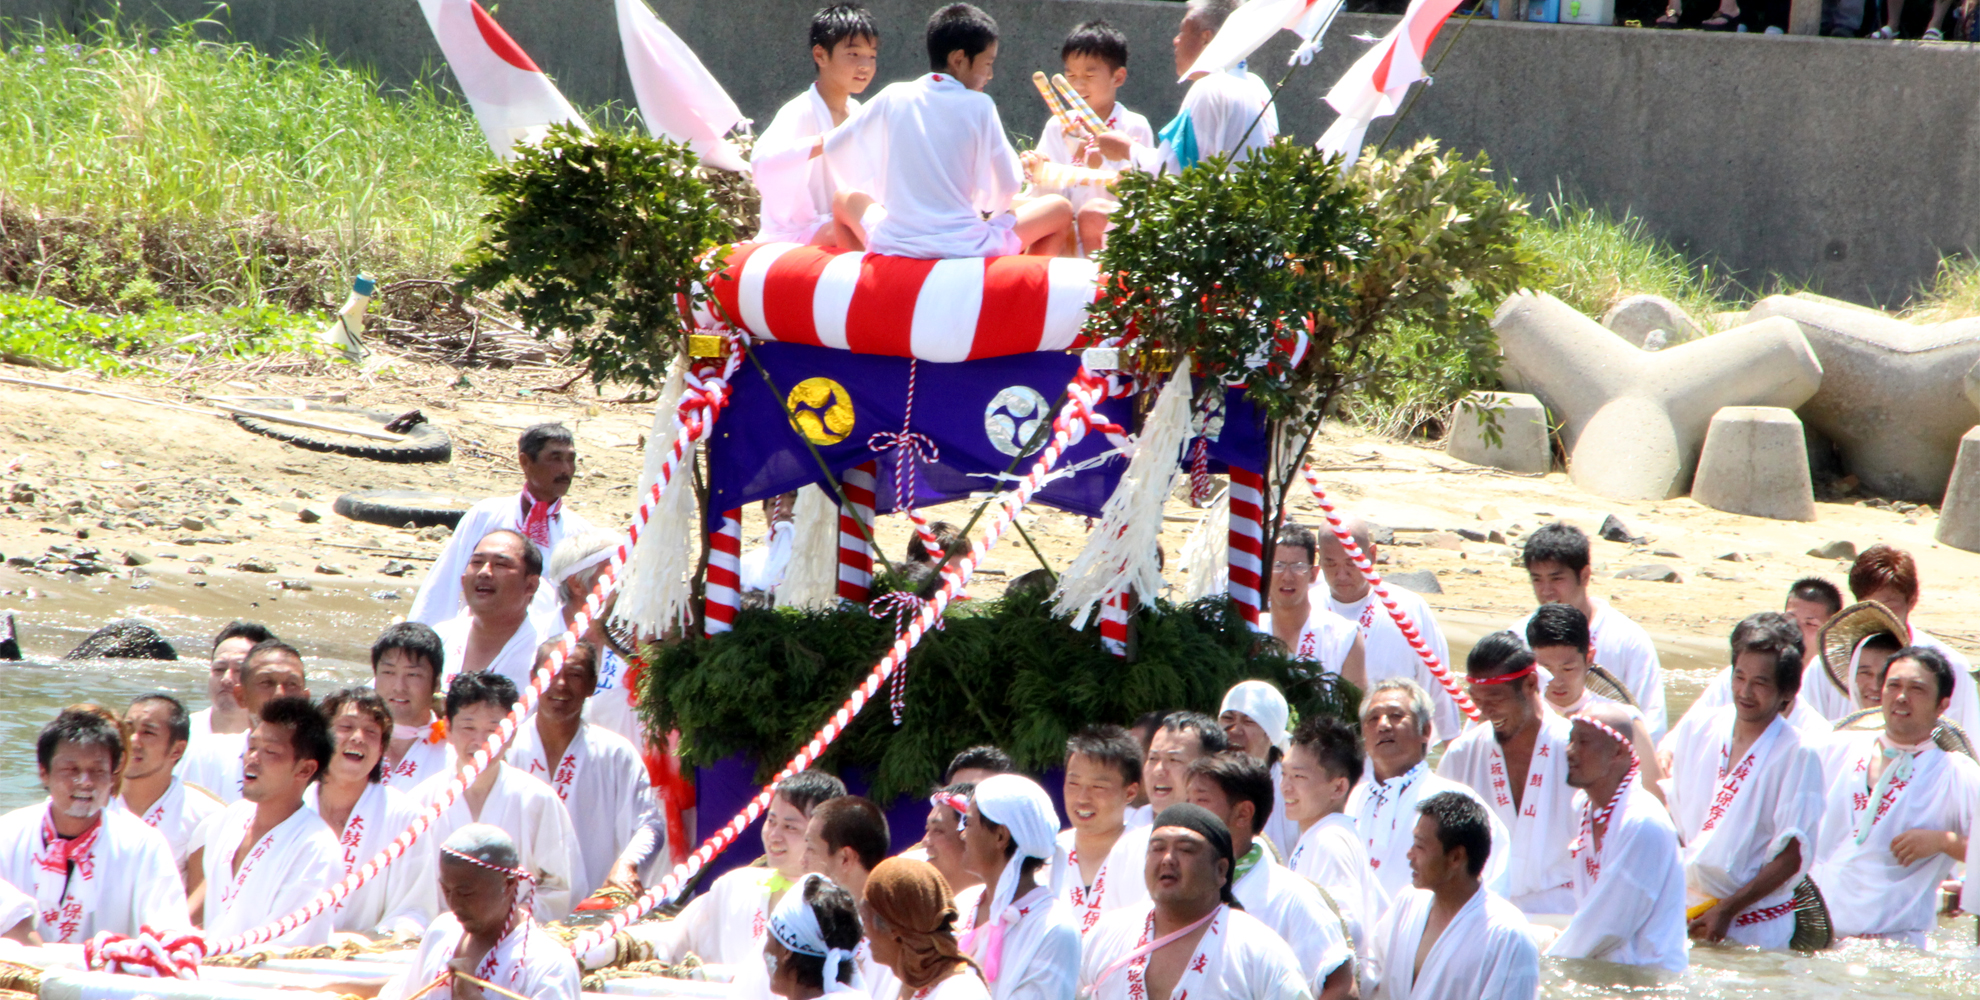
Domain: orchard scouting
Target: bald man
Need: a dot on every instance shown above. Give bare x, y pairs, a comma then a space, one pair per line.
489, 931
1384, 650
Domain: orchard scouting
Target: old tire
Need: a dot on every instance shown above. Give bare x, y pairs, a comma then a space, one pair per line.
398, 508
424, 443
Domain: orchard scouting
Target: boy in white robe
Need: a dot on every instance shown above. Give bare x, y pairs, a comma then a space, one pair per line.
1254, 715
1628, 878
1889, 576
407, 661
597, 775
546, 454
160, 728
1321, 768
504, 796
1899, 812
272, 669
1235, 787
1517, 764
1746, 792
1478, 942
1395, 727
1556, 557
1558, 635
1094, 56
365, 814
88, 868
1017, 929
1386, 652
499, 630
1224, 113
1104, 856
796, 188
269, 855
923, 164
488, 929
1188, 940
1310, 631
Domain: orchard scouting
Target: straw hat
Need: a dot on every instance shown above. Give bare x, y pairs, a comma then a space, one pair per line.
1849, 627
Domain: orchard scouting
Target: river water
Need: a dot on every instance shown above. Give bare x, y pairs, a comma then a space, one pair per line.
334, 633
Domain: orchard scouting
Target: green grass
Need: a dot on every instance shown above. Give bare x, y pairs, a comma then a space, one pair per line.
1599, 259
41, 331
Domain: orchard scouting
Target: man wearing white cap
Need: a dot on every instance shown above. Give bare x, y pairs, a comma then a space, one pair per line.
1018, 931
814, 932
489, 931
1254, 716
574, 568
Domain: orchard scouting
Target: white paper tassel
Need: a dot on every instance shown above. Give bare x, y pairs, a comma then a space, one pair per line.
1206, 554
1121, 554
812, 581
657, 592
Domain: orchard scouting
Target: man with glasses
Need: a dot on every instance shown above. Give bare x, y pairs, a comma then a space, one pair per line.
1310, 632
1388, 654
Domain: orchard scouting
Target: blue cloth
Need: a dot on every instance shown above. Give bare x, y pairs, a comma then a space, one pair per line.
1180, 136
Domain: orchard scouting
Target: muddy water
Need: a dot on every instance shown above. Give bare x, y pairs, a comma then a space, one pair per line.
333, 627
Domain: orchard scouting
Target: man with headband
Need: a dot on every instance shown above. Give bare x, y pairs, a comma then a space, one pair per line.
490, 936
910, 921
813, 934
1518, 765
1628, 881
1019, 932
574, 568
1188, 940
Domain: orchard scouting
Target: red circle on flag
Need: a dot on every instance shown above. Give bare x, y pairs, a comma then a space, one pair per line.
500, 42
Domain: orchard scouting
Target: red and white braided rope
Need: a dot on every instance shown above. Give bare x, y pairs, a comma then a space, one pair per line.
1084, 396
148, 954
1590, 819
1402, 619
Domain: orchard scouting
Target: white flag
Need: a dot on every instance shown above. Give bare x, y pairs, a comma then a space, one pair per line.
512, 99
677, 95
1254, 24
1374, 87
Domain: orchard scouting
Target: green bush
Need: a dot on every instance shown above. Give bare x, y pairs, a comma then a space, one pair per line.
43, 331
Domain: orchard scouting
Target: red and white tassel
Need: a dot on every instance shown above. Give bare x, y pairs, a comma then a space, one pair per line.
855, 519
1247, 543
723, 596
1114, 624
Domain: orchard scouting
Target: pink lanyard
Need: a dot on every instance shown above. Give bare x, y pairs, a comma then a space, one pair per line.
1148, 949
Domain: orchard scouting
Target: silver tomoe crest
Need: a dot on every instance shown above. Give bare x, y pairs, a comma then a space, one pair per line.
1013, 418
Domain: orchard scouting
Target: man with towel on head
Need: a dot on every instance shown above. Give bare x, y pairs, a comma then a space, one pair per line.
910, 920
1189, 940
490, 934
814, 932
1019, 932
574, 568
1254, 716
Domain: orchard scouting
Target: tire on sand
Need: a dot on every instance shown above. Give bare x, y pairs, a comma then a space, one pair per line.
398, 508
424, 443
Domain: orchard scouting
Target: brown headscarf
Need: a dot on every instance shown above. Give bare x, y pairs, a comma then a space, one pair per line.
914, 901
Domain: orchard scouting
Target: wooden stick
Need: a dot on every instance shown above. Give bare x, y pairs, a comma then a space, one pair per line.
283, 418
486, 985
9, 380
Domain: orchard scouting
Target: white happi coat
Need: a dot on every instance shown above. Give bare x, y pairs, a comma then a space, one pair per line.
1484, 952
1040, 960
439, 595
283, 871
529, 811
427, 756
1331, 855
965, 985
612, 705
178, 814
1735, 816
517, 658
527, 961
796, 188
1544, 823
1868, 893
1625, 650
1809, 713
127, 881
1294, 909
1385, 653
1629, 895
1325, 639
1385, 816
213, 762
725, 925
933, 153
1054, 145
1216, 113
1122, 880
1237, 958
602, 784
404, 897
16, 907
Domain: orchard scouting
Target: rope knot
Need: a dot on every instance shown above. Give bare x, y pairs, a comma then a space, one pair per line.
147, 954
903, 607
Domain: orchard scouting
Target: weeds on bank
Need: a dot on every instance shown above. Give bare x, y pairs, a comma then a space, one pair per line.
1599, 259
45, 333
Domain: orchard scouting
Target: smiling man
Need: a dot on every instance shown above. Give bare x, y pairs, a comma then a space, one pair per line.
498, 630
272, 669
1310, 632
1104, 854
1395, 727
269, 854
406, 661
158, 729
1182, 738
366, 814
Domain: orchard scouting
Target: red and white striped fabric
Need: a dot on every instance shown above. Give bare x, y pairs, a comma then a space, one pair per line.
935, 310
512, 99
1114, 624
1247, 542
855, 559
1254, 24
723, 593
1377, 82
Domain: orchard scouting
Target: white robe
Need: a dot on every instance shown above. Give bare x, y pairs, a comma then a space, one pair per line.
283, 871
1754, 807
528, 962
1237, 958
425, 758
1054, 145
1040, 960
530, 812
602, 785
1965, 707
1281, 832
725, 925
16, 907
1868, 893
1629, 896
517, 658
1122, 880
178, 814
439, 595
1543, 824
404, 897
1294, 909
965, 985
1809, 713
612, 705
129, 880
796, 188
1216, 113
1385, 653
1484, 952
1385, 817
933, 153
1325, 639
1331, 855
214, 763
1625, 650
201, 723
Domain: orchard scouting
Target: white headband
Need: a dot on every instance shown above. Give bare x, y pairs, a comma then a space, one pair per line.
795, 926
1265, 705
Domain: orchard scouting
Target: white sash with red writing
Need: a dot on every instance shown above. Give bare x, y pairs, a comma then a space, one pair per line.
66, 885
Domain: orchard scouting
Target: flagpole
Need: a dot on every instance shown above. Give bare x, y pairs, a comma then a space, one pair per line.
1476, 6
1290, 69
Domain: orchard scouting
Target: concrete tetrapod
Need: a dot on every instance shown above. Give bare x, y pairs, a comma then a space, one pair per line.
1633, 421
1522, 425
1756, 462
1894, 395
1959, 518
